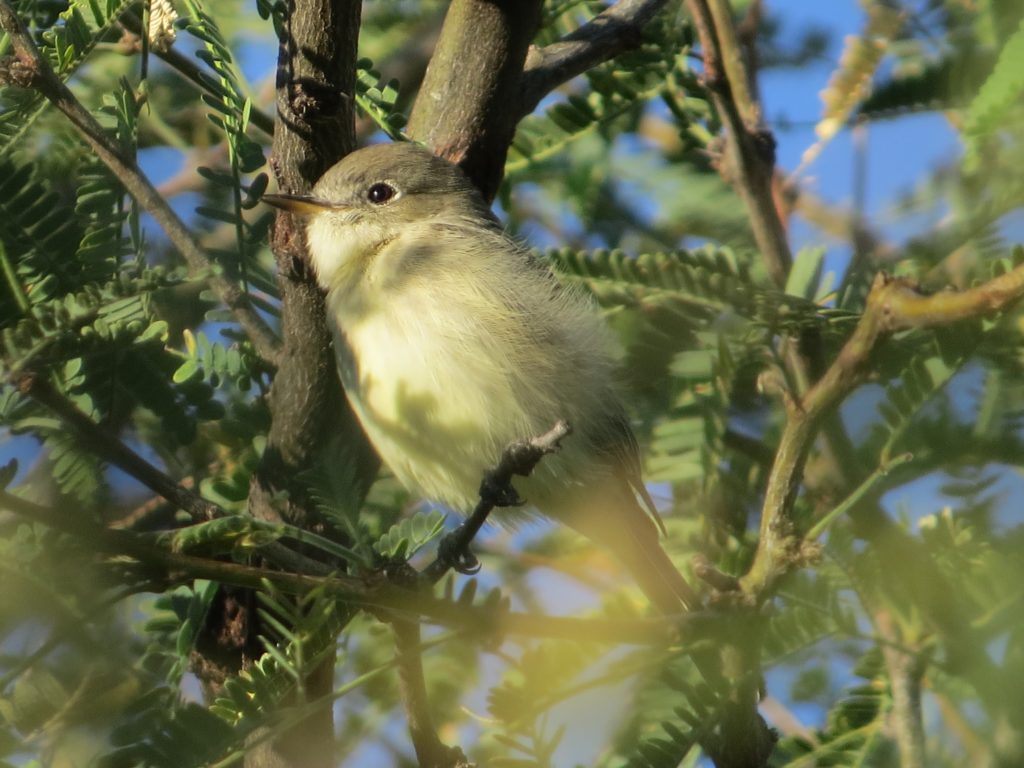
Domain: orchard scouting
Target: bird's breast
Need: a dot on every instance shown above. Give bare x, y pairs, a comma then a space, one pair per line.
436, 413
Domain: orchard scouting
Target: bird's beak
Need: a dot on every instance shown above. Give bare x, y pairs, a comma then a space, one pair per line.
300, 205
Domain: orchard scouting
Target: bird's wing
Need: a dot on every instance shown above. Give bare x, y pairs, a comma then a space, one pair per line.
624, 452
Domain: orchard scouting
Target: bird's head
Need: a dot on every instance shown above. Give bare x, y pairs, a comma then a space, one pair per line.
371, 197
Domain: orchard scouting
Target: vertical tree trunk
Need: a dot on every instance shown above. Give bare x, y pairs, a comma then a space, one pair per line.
313, 130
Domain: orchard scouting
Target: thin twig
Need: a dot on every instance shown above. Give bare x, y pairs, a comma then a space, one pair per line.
496, 490
858, 493
193, 72
732, 60
32, 70
611, 32
109, 448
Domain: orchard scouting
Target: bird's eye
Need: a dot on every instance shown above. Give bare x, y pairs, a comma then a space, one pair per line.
380, 193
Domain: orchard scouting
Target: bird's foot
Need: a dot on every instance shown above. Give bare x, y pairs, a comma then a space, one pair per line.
454, 552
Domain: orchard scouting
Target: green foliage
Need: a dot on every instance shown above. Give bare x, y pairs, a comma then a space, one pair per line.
852, 735
622, 180
66, 42
700, 285
693, 720
406, 537
921, 379
540, 676
379, 102
711, 279
231, 112
217, 363
37, 227
687, 444
300, 632
998, 98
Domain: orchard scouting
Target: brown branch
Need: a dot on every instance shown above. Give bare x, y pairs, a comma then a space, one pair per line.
31, 70
315, 83
750, 165
468, 104
373, 593
431, 752
109, 448
746, 34
750, 146
311, 423
894, 304
905, 670
745, 739
732, 62
611, 32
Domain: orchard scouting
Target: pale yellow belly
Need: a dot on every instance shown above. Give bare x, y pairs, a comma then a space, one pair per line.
436, 418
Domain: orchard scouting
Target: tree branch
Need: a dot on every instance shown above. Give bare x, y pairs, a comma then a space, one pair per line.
611, 32
374, 592
109, 448
905, 670
732, 62
750, 146
468, 104
894, 304
431, 752
315, 83
32, 70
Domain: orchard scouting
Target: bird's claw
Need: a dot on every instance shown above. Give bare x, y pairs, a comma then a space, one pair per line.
457, 555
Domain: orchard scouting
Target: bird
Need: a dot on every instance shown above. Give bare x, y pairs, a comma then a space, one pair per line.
453, 340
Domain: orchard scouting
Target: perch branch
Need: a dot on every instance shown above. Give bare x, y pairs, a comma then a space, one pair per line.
378, 594
611, 32
30, 69
496, 490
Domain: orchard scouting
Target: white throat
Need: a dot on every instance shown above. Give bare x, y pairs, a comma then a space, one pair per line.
340, 249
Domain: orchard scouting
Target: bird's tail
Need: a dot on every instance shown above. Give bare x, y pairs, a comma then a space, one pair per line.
621, 526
